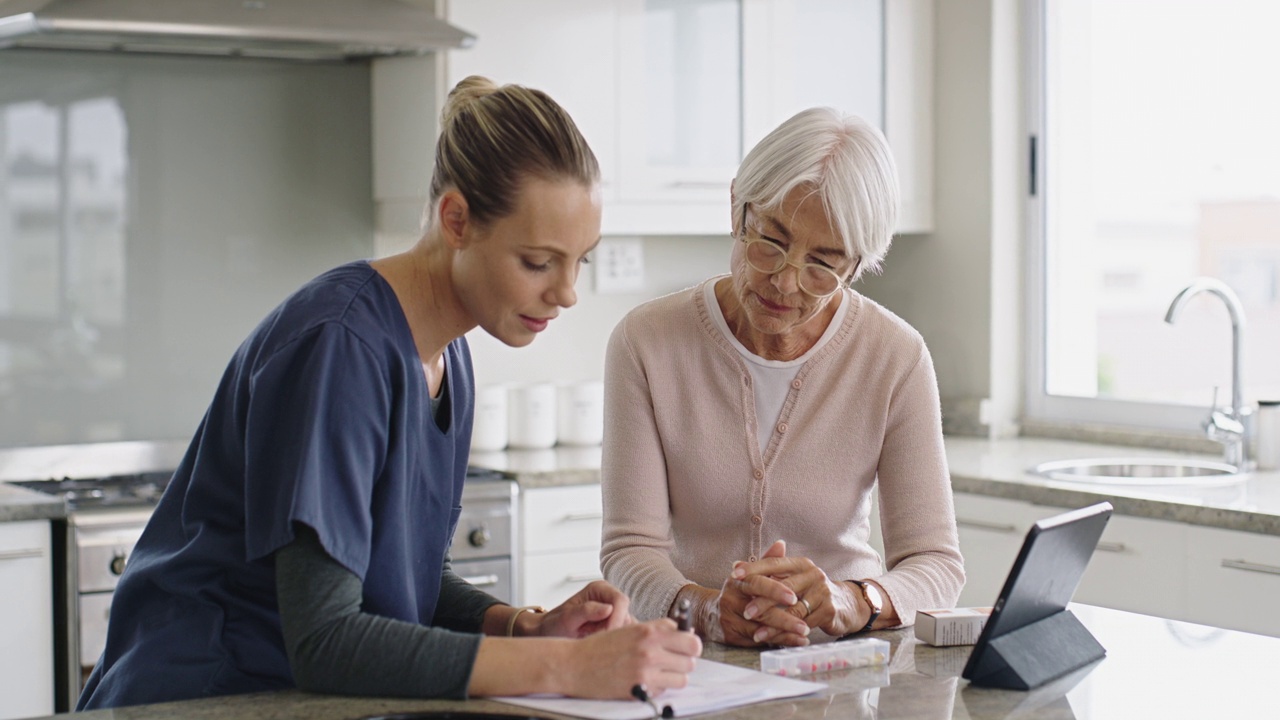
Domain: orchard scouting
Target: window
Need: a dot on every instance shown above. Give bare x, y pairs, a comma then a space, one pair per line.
1158, 159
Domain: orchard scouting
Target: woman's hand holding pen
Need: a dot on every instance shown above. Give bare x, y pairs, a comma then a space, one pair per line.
655, 655
598, 606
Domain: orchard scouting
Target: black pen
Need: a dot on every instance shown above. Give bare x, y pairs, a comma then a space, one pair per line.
638, 692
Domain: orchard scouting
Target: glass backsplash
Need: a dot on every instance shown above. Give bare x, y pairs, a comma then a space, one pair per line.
152, 210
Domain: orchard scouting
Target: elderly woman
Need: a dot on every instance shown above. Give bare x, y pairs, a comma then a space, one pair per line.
766, 405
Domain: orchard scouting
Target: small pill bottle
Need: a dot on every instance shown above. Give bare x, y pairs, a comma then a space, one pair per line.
1266, 426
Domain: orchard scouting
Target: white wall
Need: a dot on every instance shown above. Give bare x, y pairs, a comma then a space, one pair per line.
960, 285
573, 346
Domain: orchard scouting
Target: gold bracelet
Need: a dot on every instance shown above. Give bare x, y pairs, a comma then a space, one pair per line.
511, 621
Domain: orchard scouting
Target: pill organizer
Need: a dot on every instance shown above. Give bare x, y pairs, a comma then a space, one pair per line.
793, 661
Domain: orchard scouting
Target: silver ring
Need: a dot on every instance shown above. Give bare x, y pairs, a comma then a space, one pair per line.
807, 607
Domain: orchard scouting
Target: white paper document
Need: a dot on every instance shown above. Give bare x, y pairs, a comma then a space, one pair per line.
712, 686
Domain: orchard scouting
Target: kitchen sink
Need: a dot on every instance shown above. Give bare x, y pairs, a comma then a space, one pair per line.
1141, 471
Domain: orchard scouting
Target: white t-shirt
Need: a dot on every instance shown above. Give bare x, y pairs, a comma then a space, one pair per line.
771, 379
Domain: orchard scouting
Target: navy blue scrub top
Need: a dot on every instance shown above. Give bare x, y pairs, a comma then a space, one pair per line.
323, 417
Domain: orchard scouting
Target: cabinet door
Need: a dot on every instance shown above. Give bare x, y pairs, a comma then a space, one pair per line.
908, 107
550, 578
1233, 580
680, 71
561, 518
808, 53
567, 48
1138, 566
991, 534
26, 620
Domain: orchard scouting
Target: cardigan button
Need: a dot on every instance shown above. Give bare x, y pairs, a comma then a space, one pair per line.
782, 427
759, 474
755, 519
751, 559
796, 384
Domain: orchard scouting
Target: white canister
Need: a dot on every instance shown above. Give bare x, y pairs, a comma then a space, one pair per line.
531, 416
1266, 428
580, 414
489, 429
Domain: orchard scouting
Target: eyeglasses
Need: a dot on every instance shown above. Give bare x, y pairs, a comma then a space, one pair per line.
768, 257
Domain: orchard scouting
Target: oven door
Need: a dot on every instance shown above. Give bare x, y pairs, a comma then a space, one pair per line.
492, 576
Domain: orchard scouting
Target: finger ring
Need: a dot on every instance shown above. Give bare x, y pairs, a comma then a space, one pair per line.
807, 607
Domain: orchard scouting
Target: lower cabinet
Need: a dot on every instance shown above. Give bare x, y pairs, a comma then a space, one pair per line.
1233, 580
560, 542
26, 619
1139, 565
1163, 568
991, 532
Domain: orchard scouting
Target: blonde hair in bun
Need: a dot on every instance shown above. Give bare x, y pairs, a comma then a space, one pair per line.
493, 137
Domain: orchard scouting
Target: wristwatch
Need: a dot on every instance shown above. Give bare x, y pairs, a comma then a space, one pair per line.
871, 594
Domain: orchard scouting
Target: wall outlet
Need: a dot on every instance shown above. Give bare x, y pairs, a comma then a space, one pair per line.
619, 263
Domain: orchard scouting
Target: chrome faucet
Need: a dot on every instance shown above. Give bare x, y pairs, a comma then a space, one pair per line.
1229, 425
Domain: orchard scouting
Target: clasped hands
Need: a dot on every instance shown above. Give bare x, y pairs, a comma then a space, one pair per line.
777, 599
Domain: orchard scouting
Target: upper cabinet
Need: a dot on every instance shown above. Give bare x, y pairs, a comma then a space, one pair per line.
671, 93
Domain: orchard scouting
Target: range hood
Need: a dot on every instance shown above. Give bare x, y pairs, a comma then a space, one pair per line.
283, 29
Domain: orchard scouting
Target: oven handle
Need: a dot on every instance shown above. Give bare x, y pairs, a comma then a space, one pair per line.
482, 580
21, 554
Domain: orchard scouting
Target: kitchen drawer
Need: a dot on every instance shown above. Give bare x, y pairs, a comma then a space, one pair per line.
991, 532
551, 578
561, 518
1137, 567
1233, 580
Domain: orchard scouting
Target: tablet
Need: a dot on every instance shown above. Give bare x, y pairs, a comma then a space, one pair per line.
1045, 575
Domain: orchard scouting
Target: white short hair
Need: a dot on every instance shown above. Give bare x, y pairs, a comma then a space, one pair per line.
844, 160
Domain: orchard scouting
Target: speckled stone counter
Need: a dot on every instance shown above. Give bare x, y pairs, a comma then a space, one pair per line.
77, 461
999, 468
18, 504
1154, 669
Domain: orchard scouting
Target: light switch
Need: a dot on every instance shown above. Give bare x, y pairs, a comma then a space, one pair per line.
619, 263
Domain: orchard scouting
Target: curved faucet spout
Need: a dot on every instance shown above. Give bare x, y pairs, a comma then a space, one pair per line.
1234, 307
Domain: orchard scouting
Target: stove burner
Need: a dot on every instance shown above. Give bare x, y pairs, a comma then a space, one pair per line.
140, 489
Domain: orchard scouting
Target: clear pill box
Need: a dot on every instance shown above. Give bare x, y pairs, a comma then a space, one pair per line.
790, 662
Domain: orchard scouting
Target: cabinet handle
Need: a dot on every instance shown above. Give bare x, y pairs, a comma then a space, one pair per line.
21, 554
698, 184
1115, 547
595, 515
482, 580
1251, 566
585, 577
982, 525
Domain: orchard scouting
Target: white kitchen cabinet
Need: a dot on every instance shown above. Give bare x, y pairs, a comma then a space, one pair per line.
670, 93
1138, 566
560, 542
991, 532
1233, 580
26, 619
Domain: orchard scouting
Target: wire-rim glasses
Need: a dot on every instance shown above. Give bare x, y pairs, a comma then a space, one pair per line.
767, 257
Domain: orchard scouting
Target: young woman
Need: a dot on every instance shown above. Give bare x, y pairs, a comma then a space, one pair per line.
303, 540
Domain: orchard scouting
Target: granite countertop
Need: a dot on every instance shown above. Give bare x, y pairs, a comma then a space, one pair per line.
998, 468
18, 504
77, 461
1154, 668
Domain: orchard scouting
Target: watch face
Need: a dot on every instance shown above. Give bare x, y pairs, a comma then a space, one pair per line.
873, 596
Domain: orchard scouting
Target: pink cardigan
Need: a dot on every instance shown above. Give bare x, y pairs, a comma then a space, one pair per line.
687, 490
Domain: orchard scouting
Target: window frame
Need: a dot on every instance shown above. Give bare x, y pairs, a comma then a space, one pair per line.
1039, 405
